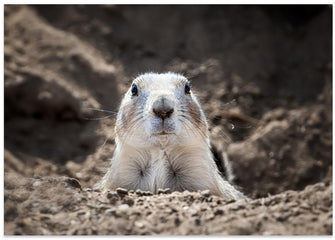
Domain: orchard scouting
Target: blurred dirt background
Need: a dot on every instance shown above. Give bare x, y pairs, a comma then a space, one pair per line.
263, 76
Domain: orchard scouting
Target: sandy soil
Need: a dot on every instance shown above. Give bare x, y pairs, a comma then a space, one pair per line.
263, 76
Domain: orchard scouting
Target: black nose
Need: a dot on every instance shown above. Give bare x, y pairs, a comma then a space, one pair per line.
163, 113
162, 108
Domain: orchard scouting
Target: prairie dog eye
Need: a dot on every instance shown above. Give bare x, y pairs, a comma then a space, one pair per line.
134, 91
187, 88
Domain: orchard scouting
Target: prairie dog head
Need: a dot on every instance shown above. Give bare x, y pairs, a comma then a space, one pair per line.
160, 110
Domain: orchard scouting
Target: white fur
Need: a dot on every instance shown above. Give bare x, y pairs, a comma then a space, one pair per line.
147, 161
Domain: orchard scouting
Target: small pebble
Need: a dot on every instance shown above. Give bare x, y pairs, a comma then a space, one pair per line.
44, 217
123, 207
305, 206
111, 211
81, 213
206, 193
164, 191
73, 182
232, 201
139, 192
139, 224
218, 212
194, 213
173, 210
160, 191
37, 184
73, 222
280, 217
177, 221
296, 212
330, 215
197, 221
265, 216
147, 193
111, 195
237, 207
167, 190
128, 200
122, 191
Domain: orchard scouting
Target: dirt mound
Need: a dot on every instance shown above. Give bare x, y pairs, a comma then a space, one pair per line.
264, 79
275, 150
60, 206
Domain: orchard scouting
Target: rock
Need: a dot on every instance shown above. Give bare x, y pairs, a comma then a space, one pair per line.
139, 192
218, 212
139, 224
164, 191
121, 191
147, 193
123, 207
206, 193
160, 191
173, 210
128, 200
177, 221
111, 195
167, 190
237, 207
73, 182
197, 221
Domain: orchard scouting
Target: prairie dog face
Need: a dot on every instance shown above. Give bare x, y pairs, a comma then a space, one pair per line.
160, 110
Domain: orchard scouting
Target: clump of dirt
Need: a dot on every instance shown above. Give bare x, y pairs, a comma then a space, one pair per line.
264, 79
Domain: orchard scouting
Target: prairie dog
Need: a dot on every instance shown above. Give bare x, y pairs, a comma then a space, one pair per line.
162, 140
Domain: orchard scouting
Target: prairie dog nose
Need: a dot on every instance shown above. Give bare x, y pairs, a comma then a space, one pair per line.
163, 108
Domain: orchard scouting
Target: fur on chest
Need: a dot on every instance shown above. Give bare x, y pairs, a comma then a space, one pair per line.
151, 170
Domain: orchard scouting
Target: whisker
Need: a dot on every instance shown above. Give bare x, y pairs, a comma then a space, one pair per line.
96, 119
195, 131
225, 137
133, 126
110, 115
230, 102
247, 126
135, 122
102, 110
185, 123
103, 145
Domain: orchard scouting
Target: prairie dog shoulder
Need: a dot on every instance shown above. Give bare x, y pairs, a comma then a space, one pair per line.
162, 140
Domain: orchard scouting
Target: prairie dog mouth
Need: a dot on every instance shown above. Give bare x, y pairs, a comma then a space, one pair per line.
163, 133
162, 128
